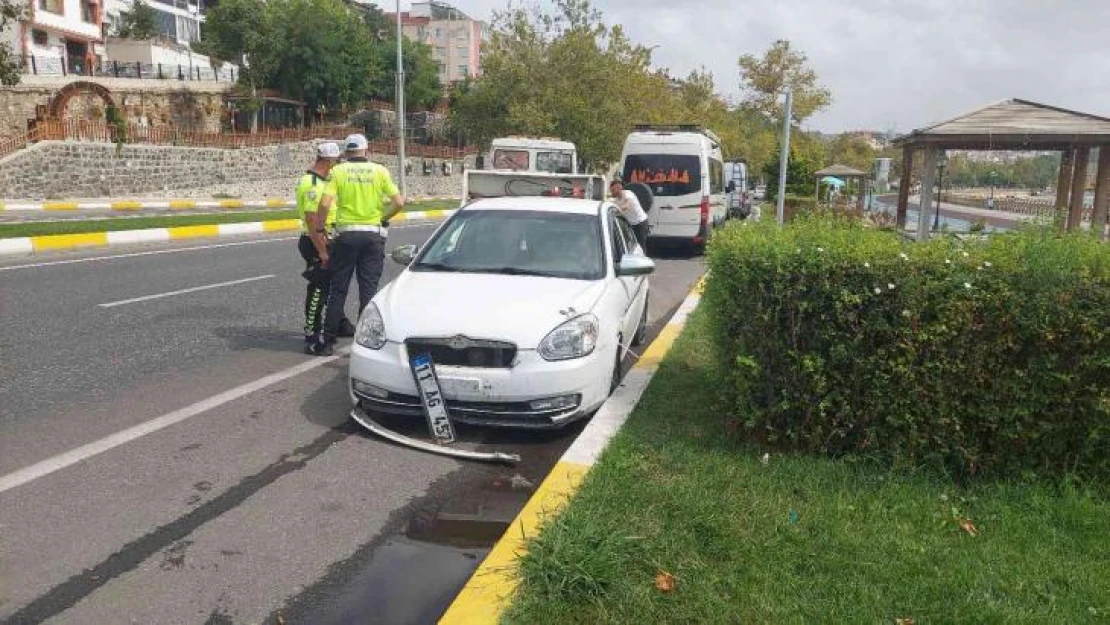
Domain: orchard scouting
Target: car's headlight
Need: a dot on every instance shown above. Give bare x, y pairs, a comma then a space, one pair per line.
574, 339
371, 328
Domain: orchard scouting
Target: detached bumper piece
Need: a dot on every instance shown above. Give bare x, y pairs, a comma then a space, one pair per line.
365, 421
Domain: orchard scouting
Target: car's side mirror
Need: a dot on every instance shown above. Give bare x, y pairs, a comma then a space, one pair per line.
635, 265
404, 254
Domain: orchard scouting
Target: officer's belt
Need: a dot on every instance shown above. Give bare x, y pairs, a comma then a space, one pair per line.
360, 228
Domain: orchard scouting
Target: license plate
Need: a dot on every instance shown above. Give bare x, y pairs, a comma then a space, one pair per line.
435, 406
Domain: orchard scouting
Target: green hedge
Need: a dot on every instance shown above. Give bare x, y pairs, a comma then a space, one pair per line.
989, 357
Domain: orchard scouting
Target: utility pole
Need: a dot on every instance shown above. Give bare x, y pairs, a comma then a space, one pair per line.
784, 157
400, 107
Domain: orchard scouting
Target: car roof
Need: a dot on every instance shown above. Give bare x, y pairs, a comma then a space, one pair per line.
534, 203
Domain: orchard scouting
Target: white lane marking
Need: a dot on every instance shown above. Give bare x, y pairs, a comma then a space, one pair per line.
180, 249
148, 253
84, 452
145, 298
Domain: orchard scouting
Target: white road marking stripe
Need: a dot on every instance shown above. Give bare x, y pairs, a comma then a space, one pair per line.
194, 289
84, 452
148, 253
175, 250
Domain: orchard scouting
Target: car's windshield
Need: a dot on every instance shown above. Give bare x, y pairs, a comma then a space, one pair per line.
537, 243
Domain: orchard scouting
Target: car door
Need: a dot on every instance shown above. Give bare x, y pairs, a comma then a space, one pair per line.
626, 286
639, 283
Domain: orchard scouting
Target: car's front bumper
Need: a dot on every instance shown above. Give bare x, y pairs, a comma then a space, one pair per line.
533, 393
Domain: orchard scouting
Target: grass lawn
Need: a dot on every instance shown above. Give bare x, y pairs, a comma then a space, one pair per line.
113, 224
800, 539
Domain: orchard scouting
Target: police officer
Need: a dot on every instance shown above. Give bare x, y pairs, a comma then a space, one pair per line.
310, 190
356, 190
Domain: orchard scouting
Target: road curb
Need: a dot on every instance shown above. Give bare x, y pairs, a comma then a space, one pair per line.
32, 245
138, 205
490, 589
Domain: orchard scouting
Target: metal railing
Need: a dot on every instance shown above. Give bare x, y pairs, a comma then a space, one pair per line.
57, 66
85, 130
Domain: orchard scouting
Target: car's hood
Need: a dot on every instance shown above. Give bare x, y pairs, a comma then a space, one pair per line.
519, 309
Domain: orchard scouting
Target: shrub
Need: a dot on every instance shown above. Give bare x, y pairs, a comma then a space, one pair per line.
981, 357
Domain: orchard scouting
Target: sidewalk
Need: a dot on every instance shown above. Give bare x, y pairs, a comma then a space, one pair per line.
103, 204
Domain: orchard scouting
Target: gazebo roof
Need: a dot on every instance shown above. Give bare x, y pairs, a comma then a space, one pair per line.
1013, 125
840, 171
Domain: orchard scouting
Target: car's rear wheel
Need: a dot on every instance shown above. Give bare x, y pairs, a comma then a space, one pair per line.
641, 330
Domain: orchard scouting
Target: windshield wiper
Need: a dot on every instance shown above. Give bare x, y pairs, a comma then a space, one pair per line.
439, 267
516, 271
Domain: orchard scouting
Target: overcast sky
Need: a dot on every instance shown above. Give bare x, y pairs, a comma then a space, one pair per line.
889, 63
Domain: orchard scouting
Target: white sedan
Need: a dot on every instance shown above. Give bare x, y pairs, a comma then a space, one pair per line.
525, 305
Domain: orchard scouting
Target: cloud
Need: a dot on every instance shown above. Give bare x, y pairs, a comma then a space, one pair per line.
889, 63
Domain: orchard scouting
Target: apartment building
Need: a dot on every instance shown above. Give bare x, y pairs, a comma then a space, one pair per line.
180, 19
60, 34
455, 38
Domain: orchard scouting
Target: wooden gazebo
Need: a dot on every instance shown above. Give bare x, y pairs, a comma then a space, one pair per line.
846, 173
1017, 125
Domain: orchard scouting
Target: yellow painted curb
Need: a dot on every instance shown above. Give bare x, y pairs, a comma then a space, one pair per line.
65, 241
277, 225
183, 204
59, 206
127, 206
657, 351
190, 232
432, 214
232, 204
486, 595
278, 203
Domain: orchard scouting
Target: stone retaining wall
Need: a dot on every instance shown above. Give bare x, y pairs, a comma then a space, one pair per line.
56, 170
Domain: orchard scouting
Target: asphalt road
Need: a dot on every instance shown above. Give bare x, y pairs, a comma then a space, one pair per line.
180, 461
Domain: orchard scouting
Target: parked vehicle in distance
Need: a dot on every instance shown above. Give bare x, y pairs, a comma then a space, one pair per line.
760, 192
526, 304
683, 167
532, 154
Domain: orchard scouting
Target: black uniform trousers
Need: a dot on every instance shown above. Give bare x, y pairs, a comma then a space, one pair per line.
361, 254
316, 293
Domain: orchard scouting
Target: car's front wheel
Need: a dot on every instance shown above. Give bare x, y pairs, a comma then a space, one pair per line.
615, 381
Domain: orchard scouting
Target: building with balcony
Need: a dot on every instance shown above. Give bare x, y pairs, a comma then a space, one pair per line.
180, 19
455, 38
62, 35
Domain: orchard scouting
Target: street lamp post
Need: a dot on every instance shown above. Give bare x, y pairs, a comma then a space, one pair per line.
942, 162
400, 107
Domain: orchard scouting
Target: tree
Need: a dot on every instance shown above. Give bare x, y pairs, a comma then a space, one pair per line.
241, 31
321, 53
764, 80
140, 22
10, 15
422, 87
799, 175
566, 74
851, 150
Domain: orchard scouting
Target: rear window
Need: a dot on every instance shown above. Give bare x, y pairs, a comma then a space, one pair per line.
555, 162
666, 174
516, 160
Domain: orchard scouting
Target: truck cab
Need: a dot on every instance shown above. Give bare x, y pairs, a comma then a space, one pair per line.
542, 155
